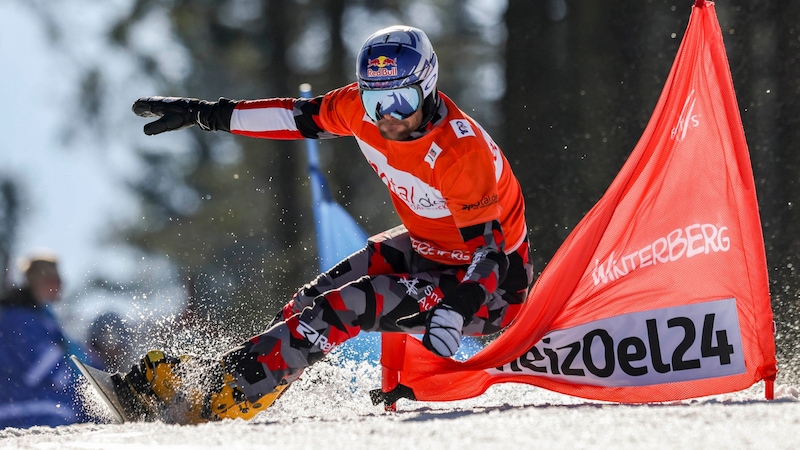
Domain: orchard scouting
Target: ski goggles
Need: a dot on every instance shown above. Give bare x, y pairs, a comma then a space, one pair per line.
399, 103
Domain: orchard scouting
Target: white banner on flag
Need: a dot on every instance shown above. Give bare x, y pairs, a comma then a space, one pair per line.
681, 343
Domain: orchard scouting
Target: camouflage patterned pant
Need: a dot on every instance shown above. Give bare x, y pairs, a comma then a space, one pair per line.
368, 291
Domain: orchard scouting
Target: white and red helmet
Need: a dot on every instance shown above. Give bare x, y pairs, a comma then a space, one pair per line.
392, 59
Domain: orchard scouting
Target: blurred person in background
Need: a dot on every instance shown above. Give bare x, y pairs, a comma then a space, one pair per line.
37, 387
109, 341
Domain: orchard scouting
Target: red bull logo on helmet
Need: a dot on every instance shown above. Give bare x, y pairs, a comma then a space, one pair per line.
382, 66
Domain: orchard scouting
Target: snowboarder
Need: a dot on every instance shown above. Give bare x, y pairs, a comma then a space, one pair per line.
458, 264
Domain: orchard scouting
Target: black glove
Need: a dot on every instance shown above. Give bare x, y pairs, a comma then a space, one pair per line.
176, 113
443, 323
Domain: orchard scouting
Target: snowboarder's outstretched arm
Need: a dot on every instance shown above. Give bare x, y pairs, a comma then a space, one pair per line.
273, 118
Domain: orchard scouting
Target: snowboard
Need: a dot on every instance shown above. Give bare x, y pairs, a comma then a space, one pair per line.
103, 384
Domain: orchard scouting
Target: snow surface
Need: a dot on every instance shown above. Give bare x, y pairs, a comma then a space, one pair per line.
329, 408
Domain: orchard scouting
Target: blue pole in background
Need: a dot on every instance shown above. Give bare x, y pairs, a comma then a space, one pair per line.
338, 234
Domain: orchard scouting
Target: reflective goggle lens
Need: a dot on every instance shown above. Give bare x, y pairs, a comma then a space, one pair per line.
399, 103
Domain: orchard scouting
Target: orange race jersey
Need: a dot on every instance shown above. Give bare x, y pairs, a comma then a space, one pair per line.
451, 177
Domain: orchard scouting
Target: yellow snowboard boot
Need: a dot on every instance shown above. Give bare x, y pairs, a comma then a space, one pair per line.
186, 390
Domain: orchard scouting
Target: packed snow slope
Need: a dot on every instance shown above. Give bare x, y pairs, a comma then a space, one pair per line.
329, 408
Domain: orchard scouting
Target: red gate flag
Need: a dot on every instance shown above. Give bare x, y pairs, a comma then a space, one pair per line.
661, 292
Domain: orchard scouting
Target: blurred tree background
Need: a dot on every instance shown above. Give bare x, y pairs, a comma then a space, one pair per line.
564, 86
